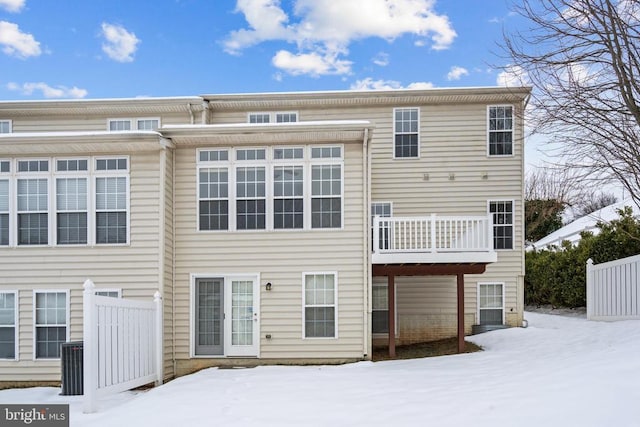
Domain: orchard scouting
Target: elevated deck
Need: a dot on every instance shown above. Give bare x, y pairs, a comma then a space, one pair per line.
433, 240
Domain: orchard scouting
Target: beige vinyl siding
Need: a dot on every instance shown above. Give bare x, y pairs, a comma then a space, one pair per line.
279, 257
133, 268
452, 141
453, 176
166, 248
90, 122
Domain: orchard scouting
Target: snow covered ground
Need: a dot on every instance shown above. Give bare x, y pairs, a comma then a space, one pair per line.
560, 371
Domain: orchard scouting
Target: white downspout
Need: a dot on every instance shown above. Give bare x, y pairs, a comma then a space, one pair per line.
205, 111
173, 263
190, 111
367, 299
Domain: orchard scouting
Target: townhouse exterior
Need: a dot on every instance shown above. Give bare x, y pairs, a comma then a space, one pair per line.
302, 227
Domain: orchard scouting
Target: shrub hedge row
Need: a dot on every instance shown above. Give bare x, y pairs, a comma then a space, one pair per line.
557, 276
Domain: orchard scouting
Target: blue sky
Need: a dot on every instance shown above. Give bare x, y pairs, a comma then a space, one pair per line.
106, 49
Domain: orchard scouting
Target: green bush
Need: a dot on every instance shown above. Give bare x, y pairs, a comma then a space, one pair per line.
557, 276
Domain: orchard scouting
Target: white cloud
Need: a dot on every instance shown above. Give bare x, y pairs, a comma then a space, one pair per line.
326, 28
314, 63
512, 75
419, 85
371, 84
12, 5
48, 91
456, 73
381, 59
120, 44
16, 43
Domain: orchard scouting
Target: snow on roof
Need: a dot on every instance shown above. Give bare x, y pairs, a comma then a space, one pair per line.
571, 231
363, 123
12, 135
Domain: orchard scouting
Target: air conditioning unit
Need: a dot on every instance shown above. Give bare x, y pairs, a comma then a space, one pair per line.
71, 358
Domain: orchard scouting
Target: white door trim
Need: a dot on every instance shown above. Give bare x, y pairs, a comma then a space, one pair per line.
228, 349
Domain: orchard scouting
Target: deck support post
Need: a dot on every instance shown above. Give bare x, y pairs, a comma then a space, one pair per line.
460, 312
391, 292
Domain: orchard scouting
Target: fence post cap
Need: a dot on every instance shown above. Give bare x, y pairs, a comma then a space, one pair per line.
590, 261
88, 284
156, 296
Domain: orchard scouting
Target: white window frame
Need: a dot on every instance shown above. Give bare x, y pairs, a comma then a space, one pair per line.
395, 132
272, 116
35, 324
269, 163
54, 199
123, 119
513, 222
252, 164
326, 161
335, 303
373, 215
513, 127
210, 165
6, 176
480, 284
385, 284
275, 116
140, 119
16, 317
29, 175
134, 125
226, 278
259, 113
51, 175
10, 122
292, 162
117, 173
101, 291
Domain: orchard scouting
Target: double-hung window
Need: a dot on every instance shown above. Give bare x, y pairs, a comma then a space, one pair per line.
251, 195
500, 130
259, 118
147, 124
5, 126
8, 304
71, 201
491, 303
213, 190
119, 125
383, 210
5, 169
51, 322
320, 290
33, 202
502, 212
326, 187
380, 308
286, 117
288, 188
406, 124
112, 200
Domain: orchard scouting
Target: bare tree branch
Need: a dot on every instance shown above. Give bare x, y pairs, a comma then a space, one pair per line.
583, 59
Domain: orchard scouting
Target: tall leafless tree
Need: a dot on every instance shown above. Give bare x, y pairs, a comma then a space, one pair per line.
557, 184
583, 59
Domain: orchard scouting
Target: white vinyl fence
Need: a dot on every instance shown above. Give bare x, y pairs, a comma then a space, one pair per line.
613, 289
122, 344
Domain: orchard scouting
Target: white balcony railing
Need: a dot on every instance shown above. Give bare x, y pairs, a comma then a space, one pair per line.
433, 239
